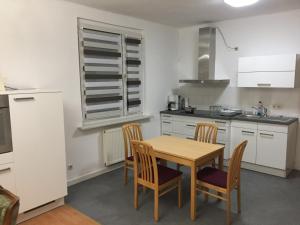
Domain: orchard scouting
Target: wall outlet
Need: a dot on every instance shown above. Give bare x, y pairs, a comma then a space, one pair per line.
276, 106
70, 167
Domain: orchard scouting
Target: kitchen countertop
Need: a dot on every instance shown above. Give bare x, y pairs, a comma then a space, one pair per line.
280, 120
198, 113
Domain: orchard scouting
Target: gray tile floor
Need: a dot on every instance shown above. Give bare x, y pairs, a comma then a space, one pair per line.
266, 200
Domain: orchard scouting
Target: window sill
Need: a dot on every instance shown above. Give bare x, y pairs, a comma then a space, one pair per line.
112, 121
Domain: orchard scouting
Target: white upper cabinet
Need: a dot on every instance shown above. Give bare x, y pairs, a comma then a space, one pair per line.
274, 71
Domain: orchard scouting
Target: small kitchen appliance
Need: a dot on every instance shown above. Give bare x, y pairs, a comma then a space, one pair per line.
173, 102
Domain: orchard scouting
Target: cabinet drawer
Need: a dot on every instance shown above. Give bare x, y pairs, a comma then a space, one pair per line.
245, 125
222, 135
184, 128
166, 117
273, 128
189, 129
178, 127
7, 177
166, 126
221, 123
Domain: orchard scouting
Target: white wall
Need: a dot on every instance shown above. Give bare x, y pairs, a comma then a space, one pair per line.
261, 35
39, 48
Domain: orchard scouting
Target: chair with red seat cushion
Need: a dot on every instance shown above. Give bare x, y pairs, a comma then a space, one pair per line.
148, 174
131, 131
213, 176
205, 132
223, 182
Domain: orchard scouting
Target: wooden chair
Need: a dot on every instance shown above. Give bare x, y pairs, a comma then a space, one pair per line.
131, 131
149, 174
9, 207
205, 132
223, 182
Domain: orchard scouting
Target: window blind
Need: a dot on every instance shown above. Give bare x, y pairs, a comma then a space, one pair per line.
133, 63
111, 72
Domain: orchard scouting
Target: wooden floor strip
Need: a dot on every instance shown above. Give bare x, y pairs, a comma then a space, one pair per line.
64, 215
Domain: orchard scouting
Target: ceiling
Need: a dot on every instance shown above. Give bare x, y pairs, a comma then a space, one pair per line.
181, 13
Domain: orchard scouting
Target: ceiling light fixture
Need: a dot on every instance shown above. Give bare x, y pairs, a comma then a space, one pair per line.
240, 3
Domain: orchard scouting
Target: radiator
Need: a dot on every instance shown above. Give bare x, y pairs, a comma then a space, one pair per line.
113, 146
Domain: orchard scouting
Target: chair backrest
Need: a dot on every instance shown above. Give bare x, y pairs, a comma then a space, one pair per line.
145, 165
131, 131
206, 132
234, 167
9, 216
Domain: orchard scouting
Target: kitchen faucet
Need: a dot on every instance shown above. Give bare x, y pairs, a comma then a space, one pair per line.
261, 110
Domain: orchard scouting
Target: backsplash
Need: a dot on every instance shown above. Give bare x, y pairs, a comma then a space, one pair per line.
278, 101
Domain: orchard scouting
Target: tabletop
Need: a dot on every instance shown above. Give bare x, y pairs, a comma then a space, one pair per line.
183, 148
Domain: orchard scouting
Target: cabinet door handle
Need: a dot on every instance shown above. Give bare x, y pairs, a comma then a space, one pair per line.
264, 134
167, 122
263, 84
247, 132
221, 129
5, 170
166, 134
218, 121
166, 116
24, 99
190, 125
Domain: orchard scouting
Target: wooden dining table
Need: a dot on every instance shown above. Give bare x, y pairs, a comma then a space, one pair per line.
189, 153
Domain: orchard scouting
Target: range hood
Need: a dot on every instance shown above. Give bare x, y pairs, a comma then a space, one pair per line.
206, 60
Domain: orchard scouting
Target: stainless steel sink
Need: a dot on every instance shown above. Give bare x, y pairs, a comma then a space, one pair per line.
278, 118
252, 116
268, 118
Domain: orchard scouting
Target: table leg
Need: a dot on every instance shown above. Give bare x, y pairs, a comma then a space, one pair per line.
193, 191
220, 164
221, 159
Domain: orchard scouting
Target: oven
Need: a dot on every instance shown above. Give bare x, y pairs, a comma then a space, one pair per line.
5, 128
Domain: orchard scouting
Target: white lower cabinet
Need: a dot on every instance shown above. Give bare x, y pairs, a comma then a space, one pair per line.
271, 149
38, 147
239, 135
269, 145
185, 126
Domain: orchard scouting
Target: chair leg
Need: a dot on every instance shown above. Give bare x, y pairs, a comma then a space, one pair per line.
178, 167
219, 194
125, 175
156, 198
206, 195
136, 195
179, 193
213, 163
228, 210
239, 198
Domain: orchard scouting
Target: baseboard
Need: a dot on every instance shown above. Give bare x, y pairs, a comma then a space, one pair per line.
263, 169
40, 210
93, 174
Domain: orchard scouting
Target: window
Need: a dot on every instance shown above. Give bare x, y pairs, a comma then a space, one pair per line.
111, 71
